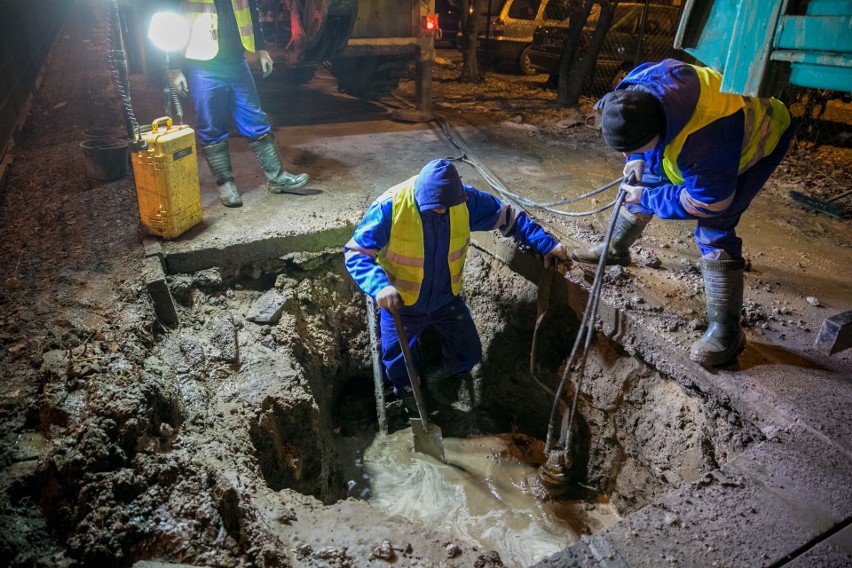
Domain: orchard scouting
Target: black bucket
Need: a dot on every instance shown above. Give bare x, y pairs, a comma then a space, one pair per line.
97, 133
106, 158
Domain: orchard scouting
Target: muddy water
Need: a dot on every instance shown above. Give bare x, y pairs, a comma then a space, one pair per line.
480, 495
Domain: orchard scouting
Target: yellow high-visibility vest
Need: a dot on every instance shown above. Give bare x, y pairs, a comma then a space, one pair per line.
204, 27
765, 122
402, 258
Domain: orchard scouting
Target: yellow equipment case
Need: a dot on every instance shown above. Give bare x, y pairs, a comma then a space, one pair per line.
166, 175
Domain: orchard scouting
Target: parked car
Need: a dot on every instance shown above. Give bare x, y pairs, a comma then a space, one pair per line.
448, 22
618, 54
506, 30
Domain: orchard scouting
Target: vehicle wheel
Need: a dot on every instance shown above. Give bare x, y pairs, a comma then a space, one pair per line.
524, 66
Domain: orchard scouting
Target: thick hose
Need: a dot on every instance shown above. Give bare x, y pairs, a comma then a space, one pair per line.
584, 335
117, 60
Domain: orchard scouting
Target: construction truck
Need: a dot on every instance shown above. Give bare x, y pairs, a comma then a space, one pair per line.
763, 46
368, 45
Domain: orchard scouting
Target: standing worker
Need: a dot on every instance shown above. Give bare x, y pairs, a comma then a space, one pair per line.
222, 87
700, 154
408, 253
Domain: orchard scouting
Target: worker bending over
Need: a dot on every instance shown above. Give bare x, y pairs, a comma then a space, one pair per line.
408, 253
222, 87
698, 154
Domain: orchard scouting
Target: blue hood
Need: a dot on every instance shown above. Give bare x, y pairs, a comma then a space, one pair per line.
438, 185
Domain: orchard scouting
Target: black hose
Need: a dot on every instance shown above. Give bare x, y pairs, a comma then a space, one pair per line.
584, 335
117, 61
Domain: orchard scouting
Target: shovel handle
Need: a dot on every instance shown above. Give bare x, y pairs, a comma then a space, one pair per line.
413, 376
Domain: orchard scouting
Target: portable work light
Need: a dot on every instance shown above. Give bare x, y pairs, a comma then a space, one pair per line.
168, 31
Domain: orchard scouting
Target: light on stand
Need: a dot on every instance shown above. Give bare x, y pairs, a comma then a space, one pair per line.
169, 31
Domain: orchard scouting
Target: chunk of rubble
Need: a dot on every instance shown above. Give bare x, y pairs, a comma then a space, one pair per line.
267, 309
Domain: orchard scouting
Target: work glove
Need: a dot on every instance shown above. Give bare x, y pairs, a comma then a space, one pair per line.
265, 63
178, 81
633, 192
557, 253
389, 299
636, 168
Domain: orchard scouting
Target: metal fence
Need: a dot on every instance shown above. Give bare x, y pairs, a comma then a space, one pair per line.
639, 32
644, 31
823, 141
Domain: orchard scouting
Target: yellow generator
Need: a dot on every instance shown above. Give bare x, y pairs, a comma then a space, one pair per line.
166, 175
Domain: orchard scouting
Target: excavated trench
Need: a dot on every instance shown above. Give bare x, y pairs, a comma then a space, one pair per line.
256, 413
290, 338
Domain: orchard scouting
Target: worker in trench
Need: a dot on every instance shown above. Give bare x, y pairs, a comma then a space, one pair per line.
221, 85
693, 153
408, 253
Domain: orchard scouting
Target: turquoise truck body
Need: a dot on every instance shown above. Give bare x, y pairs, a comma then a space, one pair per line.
763, 45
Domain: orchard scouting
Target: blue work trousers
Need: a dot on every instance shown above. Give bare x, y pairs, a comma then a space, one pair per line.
716, 236
221, 90
461, 348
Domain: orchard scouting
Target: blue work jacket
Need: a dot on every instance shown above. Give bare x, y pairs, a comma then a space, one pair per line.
710, 158
485, 213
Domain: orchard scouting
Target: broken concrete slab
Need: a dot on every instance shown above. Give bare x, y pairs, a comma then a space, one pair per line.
835, 334
158, 289
833, 552
757, 509
152, 247
267, 309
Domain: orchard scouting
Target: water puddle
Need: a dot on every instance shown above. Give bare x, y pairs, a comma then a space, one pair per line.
480, 495
31, 446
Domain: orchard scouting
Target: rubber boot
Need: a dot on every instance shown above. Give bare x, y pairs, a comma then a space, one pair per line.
442, 387
409, 403
279, 180
219, 160
723, 287
628, 228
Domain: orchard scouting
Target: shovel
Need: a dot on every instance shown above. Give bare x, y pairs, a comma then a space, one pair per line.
427, 437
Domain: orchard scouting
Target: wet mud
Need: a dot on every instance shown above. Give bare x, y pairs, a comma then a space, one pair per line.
232, 440
229, 441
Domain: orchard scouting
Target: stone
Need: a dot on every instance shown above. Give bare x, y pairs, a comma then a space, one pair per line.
267, 309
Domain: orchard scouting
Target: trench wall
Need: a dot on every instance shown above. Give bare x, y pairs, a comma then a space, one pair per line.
639, 434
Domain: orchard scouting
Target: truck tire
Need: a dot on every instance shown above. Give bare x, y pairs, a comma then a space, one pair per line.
368, 77
300, 75
329, 26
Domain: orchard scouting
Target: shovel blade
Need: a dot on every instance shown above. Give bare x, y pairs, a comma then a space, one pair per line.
428, 441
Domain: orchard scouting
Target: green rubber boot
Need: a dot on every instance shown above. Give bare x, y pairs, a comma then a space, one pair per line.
628, 228
279, 180
219, 160
724, 338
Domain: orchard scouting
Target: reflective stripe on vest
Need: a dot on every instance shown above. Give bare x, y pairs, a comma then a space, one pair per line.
765, 122
402, 259
204, 27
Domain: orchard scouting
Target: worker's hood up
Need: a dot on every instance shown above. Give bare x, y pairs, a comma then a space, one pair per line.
438, 185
